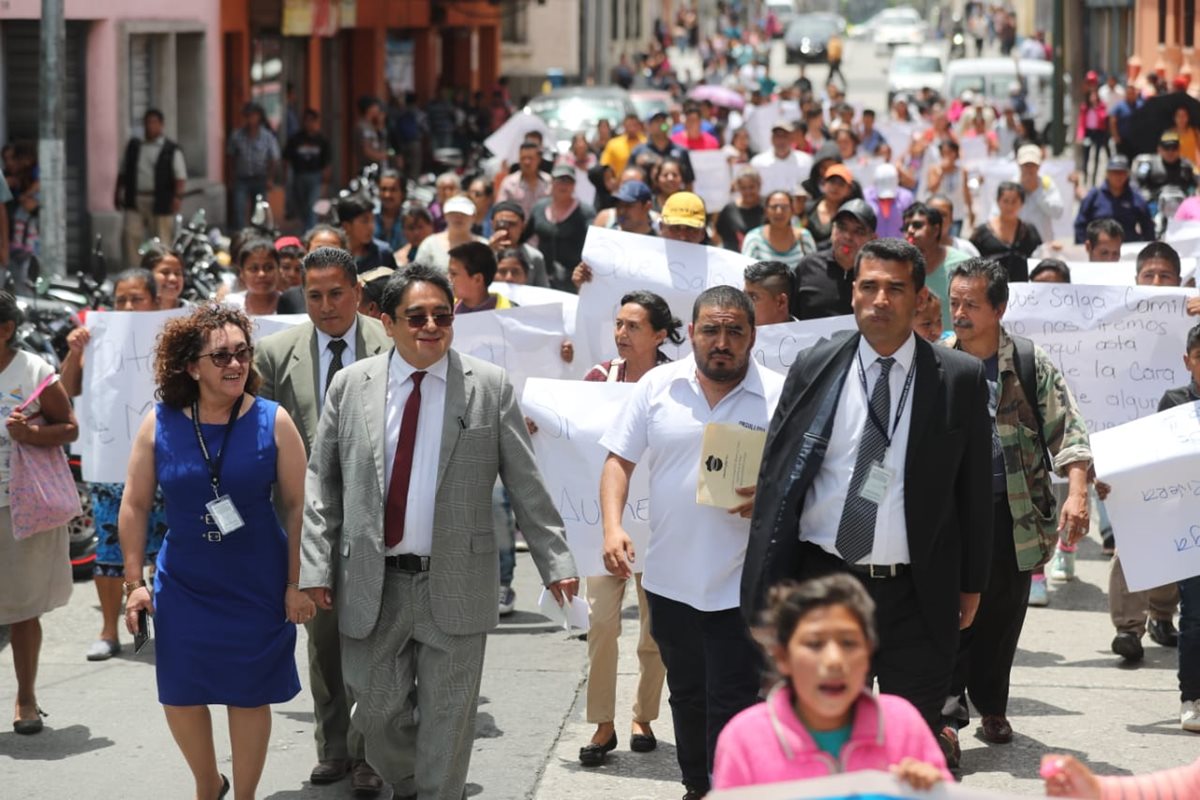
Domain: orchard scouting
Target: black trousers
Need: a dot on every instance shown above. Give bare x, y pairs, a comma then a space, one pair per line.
986, 649
912, 661
713, 672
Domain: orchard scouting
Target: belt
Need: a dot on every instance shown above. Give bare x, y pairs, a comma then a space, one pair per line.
879, 571
407, 562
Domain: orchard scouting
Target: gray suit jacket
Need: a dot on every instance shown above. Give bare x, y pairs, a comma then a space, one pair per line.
344, 495
291, 373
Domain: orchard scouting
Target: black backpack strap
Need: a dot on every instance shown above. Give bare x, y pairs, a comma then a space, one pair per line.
1026, 364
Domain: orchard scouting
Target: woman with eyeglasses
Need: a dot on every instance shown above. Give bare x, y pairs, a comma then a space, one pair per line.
133, 290
225, 599
258, 271
778, 239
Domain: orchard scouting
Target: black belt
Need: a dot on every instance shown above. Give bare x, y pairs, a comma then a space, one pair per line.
407, 562
873, 571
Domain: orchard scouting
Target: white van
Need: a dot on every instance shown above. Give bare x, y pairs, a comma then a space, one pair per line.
992, 77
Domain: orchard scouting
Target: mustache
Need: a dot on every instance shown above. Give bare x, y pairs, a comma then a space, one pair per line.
720, 352
964, 324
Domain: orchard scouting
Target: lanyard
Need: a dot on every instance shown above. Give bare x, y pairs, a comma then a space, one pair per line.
878, 423
214, 467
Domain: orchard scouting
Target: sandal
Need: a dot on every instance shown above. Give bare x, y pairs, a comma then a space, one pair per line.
27, 727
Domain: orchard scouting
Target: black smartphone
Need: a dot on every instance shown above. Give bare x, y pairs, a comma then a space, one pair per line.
143, 632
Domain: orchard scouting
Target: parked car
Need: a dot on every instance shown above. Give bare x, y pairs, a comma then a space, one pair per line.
577, 109
991, 79
807, 38
913, 68
650, 101
896, 26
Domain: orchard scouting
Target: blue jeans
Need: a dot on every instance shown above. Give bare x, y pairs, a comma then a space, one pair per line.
1189, 639
244, 190
505, 527
306, 190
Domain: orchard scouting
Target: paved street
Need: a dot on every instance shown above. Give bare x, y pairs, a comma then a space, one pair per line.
106, 737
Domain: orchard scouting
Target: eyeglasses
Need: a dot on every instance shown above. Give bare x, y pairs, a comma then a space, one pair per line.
223, 358
418, 321
914, 225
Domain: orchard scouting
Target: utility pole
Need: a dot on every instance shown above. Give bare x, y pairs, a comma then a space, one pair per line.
1058, 133
52, 151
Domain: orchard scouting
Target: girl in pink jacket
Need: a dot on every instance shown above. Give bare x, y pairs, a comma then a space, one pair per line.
820, 720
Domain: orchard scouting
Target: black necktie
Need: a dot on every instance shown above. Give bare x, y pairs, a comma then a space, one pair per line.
856, 531
337, 347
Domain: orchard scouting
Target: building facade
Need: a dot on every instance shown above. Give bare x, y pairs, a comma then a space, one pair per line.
1165, 37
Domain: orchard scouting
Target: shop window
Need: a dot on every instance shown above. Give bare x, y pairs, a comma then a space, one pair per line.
513, 22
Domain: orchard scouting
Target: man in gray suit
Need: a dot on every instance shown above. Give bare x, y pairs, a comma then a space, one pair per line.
398, 531
296, 366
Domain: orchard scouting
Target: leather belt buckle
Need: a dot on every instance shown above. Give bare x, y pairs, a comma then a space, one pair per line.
885, 571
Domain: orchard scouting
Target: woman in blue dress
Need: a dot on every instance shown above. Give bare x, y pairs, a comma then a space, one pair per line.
225, 599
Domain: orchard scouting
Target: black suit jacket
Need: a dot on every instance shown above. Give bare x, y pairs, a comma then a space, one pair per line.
947, 477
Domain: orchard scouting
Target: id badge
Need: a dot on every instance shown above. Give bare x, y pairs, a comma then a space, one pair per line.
225, 514
875, 486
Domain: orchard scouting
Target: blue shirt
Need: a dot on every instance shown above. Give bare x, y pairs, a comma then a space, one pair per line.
1124, 115
1129, 209
393, 238
832, 741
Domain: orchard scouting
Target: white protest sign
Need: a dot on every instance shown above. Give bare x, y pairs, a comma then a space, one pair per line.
897, 134
1184, 237
862, 169
776, 346
1112, 273
268, 324
1119, 348
622, 262
1153, 465
759, 120
585, 190
526, 342
524, 295
119, 387
505, 141
713, 178
973, 152
865, 784
571, 416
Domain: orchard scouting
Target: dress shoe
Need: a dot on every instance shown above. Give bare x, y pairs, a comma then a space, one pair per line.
330, 770
948, 741
1129, 647
642, 742
693, 793
28, 727
996, 729
364, 781
592, 755
1163, 632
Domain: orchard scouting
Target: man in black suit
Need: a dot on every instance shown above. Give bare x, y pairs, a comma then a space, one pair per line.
889, 480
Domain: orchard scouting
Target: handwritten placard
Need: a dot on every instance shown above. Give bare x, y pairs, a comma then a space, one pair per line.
776, 346
713, 178
1119, 348
1153, 465
858, 785
571, 416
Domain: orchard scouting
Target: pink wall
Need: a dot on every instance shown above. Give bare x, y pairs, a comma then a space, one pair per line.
104, 141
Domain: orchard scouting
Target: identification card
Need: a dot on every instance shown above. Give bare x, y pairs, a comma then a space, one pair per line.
875, 486
225, 514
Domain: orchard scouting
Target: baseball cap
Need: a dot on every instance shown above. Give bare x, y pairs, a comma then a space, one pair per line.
659, 114
859, 210
1029, 154
632, 192
1168, 138
839, 171
371, 274
563, 171
1118, 164
684, 208
512, 206
783, 125
887, 181
288, 241
459, 204
1092, 76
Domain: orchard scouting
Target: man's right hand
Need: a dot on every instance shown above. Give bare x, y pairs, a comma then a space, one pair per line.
581, 275
499, 240
78, 339
322, 596
618, 553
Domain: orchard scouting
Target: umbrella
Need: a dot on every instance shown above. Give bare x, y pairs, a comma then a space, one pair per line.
718, 96
1157, 115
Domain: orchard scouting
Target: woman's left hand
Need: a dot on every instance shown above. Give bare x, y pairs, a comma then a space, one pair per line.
19, 429
300, 607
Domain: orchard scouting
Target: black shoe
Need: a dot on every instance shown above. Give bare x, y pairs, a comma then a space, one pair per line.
694, 794
642, 742
1163, 632
28, 727
1129, 647
224, 787
592, 755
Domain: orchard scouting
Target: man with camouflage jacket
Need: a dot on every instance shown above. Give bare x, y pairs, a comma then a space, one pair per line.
1026, 443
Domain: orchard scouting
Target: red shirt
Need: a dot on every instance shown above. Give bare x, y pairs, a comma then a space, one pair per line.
705, 141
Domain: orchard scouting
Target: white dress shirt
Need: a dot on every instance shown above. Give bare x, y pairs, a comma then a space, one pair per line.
782, 174
827, 496
422, 485
696, 552
325, 356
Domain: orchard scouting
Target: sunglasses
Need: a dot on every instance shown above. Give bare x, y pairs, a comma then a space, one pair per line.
418, 321
223, 358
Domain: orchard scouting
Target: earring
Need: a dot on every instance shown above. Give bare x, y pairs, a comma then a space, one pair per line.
195, 376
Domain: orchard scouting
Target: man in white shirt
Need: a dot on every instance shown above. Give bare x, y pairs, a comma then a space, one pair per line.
782, 167
150, 186
693, 563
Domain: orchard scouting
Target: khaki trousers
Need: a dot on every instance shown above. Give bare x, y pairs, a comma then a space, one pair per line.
605, 596
141, 223
1129, 609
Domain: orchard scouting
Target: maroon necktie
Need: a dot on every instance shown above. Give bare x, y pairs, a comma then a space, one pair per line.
397, 496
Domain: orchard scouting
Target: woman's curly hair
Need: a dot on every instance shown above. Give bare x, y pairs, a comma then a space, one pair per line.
181, 342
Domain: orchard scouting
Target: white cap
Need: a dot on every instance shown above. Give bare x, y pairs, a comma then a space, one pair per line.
887, 181
1029, 154
459, 204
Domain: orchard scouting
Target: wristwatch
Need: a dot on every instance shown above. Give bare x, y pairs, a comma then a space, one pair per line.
129, 586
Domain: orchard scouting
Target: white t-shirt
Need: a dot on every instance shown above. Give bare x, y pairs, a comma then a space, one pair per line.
696, 552
783, 174
18, 380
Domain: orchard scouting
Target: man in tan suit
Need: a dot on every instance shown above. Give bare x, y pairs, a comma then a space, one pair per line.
296, 366
398, 531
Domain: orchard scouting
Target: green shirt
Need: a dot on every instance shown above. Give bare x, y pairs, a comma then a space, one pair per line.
832, 741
